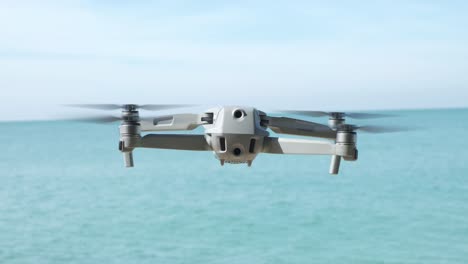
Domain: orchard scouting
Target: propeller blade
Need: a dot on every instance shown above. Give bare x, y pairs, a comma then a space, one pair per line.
383, 129
97, 106
156, 107
307, 113
96, 119
151, 107
367, 115
355, 115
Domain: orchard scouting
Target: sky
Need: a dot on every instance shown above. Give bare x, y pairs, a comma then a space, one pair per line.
317, 55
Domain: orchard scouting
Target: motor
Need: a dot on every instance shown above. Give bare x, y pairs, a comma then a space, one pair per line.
345, 147
130, 134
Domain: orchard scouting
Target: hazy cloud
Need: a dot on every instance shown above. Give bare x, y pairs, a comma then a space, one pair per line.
372, 54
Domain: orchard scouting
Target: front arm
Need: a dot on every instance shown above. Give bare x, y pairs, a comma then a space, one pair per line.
337, 150
180, 142
173, 122
274, 145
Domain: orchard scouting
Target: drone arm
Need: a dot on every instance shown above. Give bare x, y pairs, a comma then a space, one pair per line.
181, 142
172, 122
292, 126
309, 147
275, 145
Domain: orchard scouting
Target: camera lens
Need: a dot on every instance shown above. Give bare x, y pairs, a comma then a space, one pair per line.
238, 114
237, 151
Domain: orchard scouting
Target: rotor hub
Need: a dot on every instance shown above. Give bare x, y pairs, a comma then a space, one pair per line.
337, 115
130, 107
130, 116
335, 123
346, 128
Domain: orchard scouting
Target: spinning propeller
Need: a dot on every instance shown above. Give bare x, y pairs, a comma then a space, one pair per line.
355, 115
127, 110
372, 129
336, 121
129, 107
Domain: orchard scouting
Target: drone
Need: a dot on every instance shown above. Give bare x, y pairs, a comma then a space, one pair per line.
237, 134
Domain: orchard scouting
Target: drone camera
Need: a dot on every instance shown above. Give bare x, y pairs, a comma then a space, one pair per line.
238, 114
237, 151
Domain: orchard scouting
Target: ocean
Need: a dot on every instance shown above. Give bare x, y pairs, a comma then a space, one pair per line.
65, 197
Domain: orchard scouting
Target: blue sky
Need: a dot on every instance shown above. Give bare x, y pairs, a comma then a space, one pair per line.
271, 54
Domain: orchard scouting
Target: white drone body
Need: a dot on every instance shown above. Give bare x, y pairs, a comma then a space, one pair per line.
237, 135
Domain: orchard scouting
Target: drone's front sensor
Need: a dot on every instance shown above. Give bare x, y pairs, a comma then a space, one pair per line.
238, 113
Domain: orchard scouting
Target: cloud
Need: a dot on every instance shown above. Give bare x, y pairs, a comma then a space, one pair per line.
382, 55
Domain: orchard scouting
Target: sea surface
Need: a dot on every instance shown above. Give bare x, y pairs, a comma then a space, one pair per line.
65, 197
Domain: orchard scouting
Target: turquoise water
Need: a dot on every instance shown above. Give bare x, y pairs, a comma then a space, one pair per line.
66, 198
